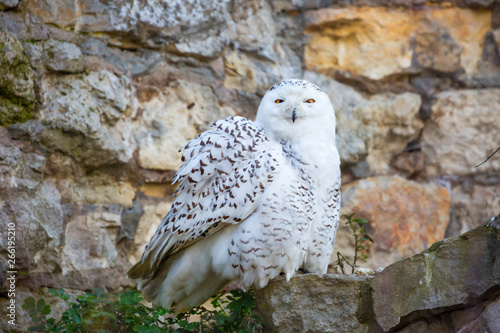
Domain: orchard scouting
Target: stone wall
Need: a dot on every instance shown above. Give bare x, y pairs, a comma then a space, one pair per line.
96, 97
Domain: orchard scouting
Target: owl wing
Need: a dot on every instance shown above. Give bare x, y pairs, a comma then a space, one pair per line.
226, 170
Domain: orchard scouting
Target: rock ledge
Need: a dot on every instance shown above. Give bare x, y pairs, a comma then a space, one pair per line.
452, 286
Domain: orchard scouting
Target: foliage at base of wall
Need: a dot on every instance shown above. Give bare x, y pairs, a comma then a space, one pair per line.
99, 311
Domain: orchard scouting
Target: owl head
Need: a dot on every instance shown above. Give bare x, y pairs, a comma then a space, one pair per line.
294, 109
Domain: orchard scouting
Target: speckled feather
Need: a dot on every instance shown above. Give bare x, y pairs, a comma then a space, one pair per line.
219, 183
255, 199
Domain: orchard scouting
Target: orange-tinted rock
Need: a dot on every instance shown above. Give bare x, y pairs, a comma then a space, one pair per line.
377, 42
58, 12
404, 217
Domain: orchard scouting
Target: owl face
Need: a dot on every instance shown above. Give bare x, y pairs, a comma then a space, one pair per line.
295, 107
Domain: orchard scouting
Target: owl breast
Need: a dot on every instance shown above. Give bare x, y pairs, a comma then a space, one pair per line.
275, 238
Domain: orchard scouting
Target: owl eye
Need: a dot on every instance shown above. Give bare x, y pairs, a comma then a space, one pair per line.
279, 101
310, 101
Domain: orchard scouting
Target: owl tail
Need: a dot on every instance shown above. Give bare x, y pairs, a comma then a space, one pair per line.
181, 282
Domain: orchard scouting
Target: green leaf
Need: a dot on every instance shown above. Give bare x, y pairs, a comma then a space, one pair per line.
349, 217
46, 310
29, 304
40, 305
161, 311
362, 221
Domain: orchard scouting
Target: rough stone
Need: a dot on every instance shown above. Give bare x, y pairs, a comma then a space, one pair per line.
62, 57
436, 50
488, 69
471, 205
87, 117
312, 303
452, 274
454, 286
248, 74
17, 88
172, 118
101, 54
375, 128
477, 3
6, 4
32, 205
20, 170
488, 320
146, 228
90, 241
37, 216
193, 28
496, 37
96, 190
462, 133
404, 217
57, 12
377, 42
130, 220
31, 129
253, 28
410, 163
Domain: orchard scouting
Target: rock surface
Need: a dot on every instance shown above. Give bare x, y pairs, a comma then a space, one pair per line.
452, 286
94, 110
168, 126
17, 97
462, 132
5, 4
471, 201
371, 129
376, 42
420, 210
312, 303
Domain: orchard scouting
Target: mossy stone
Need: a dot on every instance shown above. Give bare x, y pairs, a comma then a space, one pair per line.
17, 87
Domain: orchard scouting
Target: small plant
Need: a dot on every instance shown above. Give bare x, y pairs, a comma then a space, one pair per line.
355, 225
98, 311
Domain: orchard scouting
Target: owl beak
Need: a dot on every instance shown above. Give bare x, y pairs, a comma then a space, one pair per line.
294, 112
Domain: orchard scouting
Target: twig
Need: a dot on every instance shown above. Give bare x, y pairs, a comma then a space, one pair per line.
342, 265
486, 160
356, 248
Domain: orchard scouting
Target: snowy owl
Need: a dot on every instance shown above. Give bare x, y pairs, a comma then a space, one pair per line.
255, 199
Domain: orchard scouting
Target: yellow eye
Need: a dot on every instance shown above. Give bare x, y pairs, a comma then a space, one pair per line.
278, 101
310, 100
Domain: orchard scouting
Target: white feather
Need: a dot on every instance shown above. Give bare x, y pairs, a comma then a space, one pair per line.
255, 199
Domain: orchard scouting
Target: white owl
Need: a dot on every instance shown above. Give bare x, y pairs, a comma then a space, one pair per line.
255, 199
